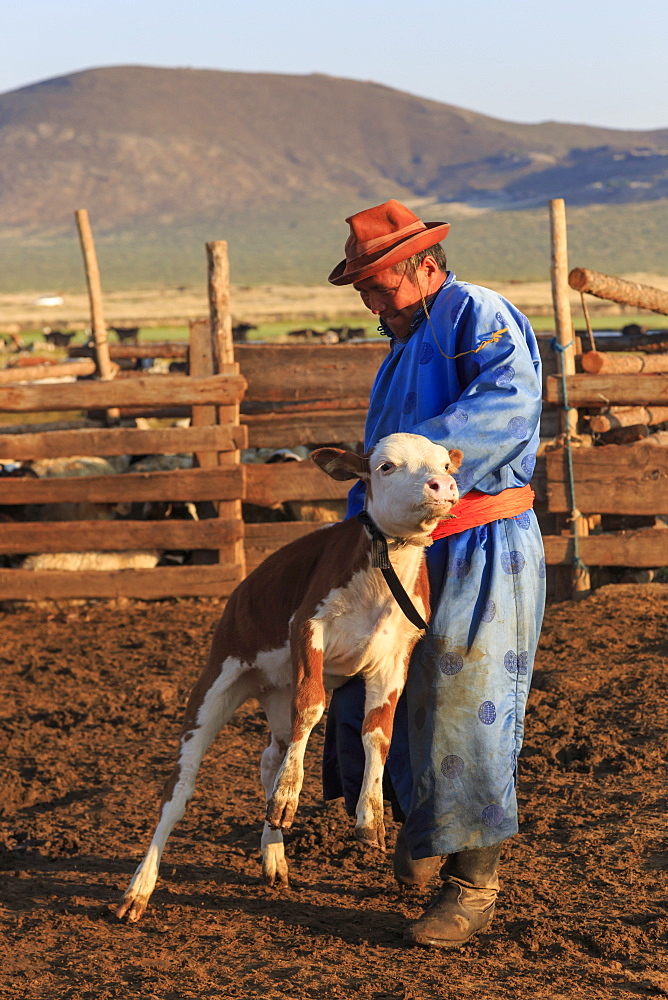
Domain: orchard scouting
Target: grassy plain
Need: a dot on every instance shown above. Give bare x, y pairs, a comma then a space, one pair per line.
300, 246
163, 313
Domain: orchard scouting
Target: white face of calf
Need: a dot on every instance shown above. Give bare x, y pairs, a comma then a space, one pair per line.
410, 485
409, 481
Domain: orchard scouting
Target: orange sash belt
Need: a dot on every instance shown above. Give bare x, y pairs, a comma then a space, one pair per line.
478, 508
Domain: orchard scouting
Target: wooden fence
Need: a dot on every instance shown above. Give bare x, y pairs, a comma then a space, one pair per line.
278, 396
606, 397
294, 395
212, 441
613, 481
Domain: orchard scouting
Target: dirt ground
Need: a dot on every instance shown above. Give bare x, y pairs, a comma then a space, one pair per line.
91, 700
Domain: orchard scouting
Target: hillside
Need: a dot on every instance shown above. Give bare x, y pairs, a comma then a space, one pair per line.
165, 159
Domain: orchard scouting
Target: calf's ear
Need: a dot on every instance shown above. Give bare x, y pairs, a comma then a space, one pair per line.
340, 464
456, 457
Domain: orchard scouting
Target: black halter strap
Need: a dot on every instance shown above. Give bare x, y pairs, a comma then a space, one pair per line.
381, 560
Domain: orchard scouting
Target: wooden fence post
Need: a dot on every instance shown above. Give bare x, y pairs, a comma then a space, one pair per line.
223, 351
94, 295
219, 302
104, 366
565, 335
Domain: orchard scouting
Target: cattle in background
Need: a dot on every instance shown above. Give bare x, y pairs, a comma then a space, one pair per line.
126, 334
59, 338
310, 616
332, 335
240, 332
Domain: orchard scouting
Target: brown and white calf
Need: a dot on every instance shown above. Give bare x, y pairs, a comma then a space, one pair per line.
312, 615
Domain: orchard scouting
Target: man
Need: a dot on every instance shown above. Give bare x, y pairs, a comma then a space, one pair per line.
464, 370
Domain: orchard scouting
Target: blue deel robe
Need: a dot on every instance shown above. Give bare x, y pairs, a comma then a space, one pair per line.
459, 725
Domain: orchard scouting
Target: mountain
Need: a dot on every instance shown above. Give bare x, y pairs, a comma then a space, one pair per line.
165, 159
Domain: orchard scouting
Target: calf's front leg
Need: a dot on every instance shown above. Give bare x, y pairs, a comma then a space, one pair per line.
307, 707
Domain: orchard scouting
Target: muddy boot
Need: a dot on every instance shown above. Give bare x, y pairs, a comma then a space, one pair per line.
464, 905
408, 872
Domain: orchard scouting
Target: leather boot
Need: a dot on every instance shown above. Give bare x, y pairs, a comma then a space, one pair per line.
408, 872
465, 904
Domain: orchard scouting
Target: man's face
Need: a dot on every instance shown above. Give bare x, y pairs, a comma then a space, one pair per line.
396, 298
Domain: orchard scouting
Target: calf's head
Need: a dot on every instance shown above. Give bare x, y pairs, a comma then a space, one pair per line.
409, 484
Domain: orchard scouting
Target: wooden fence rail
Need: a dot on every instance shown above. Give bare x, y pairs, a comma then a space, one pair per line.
262, 395
211, 395
619, 390
616, 479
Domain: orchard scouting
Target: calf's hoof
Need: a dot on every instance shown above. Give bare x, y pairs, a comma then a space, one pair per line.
372, 836
274, 866
131, 907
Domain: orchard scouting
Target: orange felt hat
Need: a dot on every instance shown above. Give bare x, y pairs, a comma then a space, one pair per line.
383, 236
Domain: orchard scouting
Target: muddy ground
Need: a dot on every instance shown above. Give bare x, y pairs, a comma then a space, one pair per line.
91, 702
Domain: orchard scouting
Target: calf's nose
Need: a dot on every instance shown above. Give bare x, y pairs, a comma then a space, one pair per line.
442, 488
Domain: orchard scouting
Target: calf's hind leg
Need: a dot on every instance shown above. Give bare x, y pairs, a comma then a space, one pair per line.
207, 711
308, 704
277, 706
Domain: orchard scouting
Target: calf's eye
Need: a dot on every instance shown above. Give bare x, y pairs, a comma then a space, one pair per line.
386, 467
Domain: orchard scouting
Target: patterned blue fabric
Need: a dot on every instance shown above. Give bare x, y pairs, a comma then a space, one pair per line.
459, 726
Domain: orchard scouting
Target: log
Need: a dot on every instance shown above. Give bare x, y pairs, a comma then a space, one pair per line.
658, 440
65, 369
561, 301
597, 362
604, 390
304, 406
125, 352
222, 354
179, 485
102, 358
141, 584
628, 293
115, 536
287, 372
264, 538
219, 302
615, 479
646, 548
628, 417
50, 425
271, 485
649, 343
270, 430
149, 391
120, 441
202, 366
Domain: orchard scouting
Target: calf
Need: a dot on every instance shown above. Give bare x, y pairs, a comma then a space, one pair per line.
308, 618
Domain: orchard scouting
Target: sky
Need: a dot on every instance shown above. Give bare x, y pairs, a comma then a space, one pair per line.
584, 61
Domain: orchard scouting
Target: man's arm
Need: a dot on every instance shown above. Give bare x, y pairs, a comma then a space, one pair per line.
495, 420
